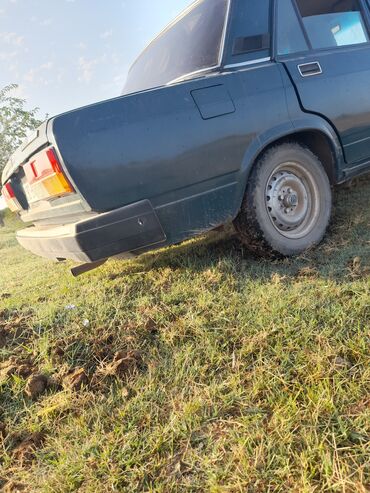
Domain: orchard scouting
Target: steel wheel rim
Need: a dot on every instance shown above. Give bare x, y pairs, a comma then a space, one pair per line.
292, 200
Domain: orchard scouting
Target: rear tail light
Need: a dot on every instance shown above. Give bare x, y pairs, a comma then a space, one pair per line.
10, 198
45, 177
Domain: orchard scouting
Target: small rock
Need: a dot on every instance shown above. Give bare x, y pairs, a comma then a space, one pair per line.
76, 379
86, 323
36, 386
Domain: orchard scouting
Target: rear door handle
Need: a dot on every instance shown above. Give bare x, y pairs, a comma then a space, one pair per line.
310, 69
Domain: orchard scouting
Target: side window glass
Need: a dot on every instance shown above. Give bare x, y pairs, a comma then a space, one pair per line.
290, 37
332, 23
250, 30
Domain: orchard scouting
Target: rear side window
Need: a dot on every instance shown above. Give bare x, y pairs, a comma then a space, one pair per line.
193, 42
250, 30
332, 23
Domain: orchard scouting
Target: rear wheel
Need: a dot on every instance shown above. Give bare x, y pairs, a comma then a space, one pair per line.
288, 201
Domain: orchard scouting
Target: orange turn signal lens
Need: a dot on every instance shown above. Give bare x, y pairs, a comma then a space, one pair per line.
57, 185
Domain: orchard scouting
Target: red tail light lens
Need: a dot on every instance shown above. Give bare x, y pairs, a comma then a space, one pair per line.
45, 176
8, 192
10, 198
53, 160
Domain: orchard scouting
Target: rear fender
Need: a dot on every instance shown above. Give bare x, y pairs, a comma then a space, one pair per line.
285, 131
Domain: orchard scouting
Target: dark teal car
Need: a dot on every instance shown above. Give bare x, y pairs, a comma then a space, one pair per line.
238, 111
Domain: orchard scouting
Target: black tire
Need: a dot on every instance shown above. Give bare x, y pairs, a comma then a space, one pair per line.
287, 205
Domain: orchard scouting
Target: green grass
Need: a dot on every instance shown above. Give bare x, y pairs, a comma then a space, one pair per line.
242, 375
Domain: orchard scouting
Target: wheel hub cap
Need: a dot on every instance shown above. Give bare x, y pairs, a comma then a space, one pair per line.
291, 200
288, 200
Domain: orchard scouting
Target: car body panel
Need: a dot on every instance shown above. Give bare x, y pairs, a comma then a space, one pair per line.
338, 91
158, 144
344, 71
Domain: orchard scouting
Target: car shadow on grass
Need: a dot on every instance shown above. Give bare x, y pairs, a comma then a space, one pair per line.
344, 254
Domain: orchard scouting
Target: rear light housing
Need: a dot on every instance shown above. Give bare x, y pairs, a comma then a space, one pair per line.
10, 199
44, 179
44, 176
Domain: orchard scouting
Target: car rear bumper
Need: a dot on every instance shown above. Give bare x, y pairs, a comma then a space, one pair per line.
129, 230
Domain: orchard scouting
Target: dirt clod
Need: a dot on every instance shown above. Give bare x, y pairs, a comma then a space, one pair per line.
102, 346
124, 363
6, 371
122, 366
15, 367
76, 379
36, 386
24, 370
57, 353
341, 363
3, 431
151, 326
24, 452
14, 329
54, 383
3, 338
14, 487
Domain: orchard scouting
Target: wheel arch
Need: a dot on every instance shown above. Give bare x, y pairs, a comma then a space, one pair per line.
313, 133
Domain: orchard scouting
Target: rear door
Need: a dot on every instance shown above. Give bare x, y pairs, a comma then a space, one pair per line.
325, 46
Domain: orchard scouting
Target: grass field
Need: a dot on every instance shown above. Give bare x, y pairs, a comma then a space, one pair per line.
198, 368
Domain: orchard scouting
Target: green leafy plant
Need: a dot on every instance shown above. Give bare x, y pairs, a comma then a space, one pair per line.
15, 122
